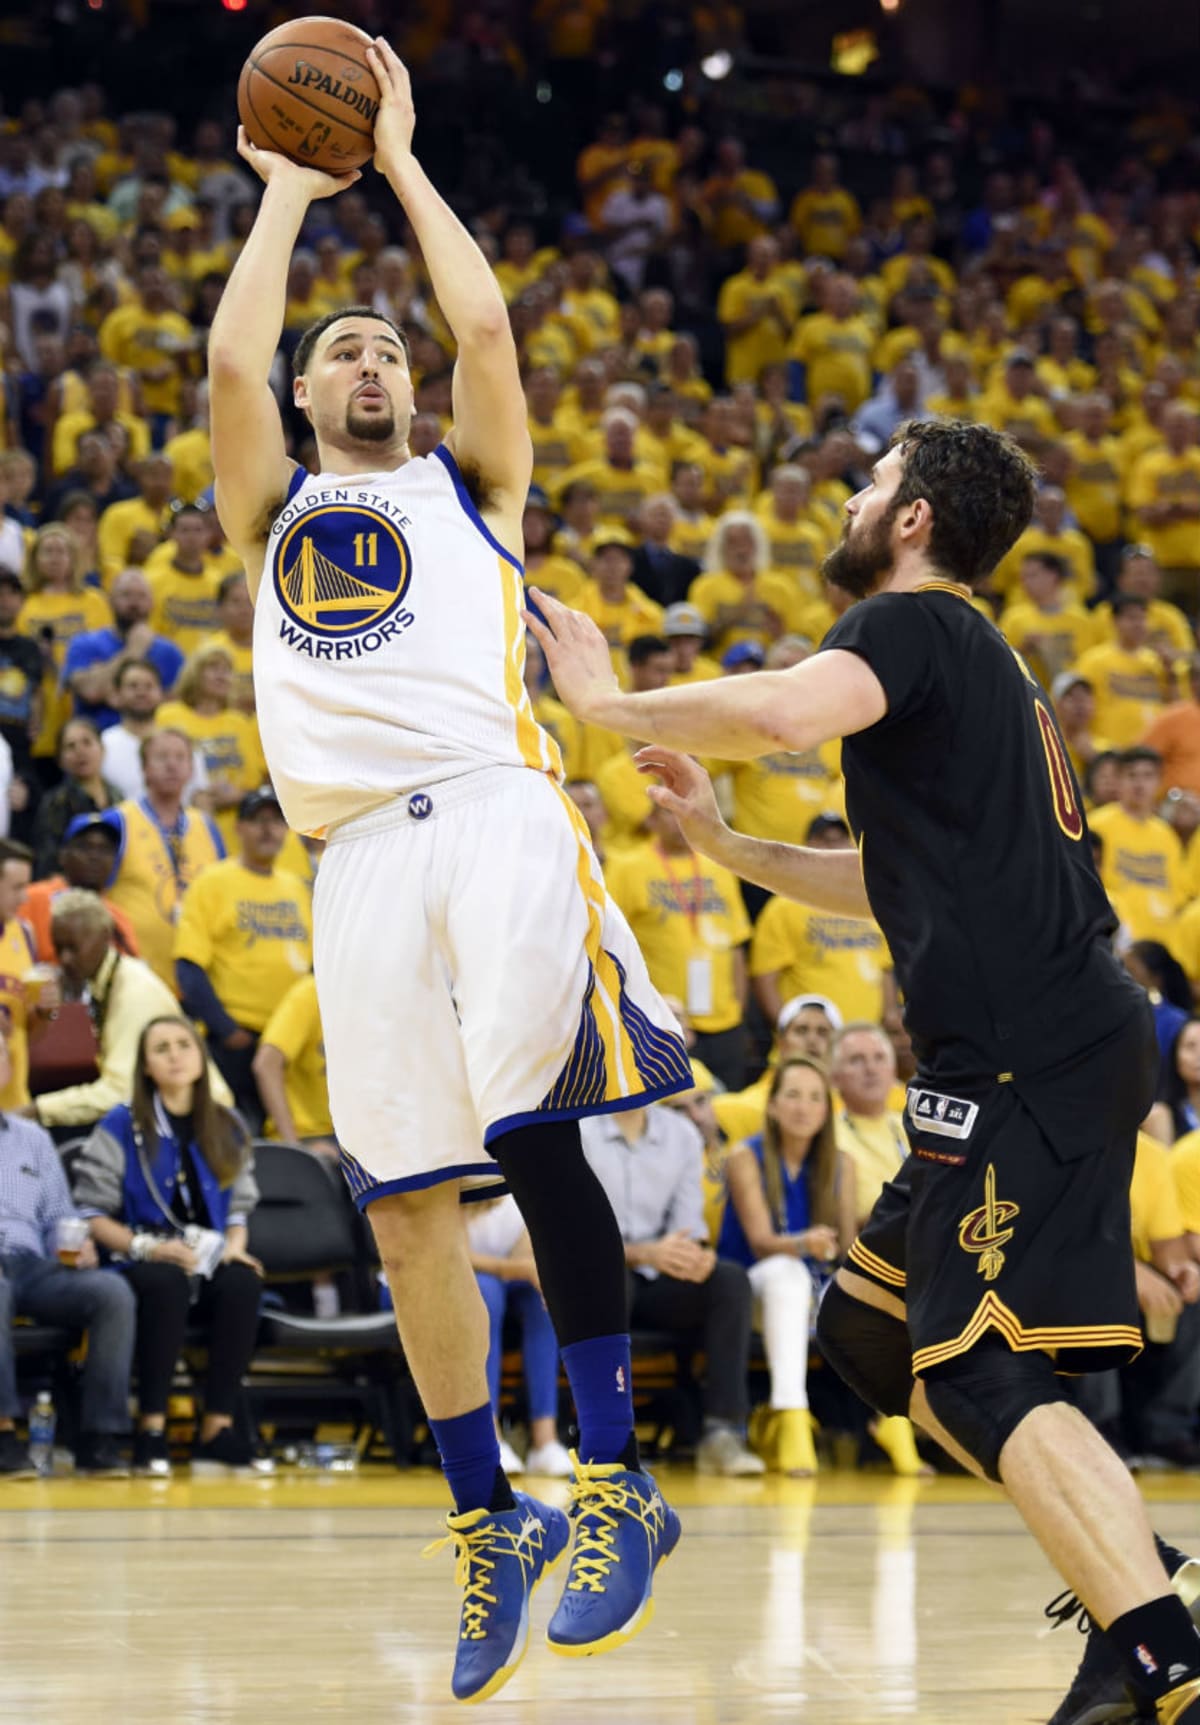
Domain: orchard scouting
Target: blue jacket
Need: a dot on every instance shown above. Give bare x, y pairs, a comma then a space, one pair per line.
110, 1179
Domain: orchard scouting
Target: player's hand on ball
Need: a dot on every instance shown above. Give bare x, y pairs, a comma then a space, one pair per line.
685, 790
397, 117
272, 168
577, 654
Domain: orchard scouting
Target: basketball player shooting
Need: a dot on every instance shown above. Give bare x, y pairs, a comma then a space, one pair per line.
479, 991
1001, 1254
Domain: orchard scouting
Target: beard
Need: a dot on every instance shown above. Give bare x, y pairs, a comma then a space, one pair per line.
863, 559
371, 427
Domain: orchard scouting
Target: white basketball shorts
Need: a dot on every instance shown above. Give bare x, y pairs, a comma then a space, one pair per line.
474, 976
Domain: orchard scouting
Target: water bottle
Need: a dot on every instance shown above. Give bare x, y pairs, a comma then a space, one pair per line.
42, 1422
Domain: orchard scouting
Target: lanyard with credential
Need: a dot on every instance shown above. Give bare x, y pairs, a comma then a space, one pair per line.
899, 1141
172, 838
689, 905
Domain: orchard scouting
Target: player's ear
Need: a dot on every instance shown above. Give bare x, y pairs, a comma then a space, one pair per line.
300, 391
916, 519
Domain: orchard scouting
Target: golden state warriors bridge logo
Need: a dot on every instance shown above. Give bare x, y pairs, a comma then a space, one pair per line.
341, 576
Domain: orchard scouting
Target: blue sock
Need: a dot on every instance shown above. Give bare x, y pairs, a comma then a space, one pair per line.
470, 1453
601, 1381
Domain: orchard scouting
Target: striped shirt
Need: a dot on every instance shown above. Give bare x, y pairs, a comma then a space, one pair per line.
34, 1194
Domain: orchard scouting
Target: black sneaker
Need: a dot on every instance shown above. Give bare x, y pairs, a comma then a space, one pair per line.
151, 1458
14, 1458
100, 1457
1101, 1693
227, 1453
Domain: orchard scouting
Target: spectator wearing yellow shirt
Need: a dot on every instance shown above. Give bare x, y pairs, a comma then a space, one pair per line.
244, 938
754, 314
683, 370
1168, 631
1096, 480
959, 399
654, 338
869, 1132
157, 343
553, 429
289, 1069
620, 610
831, 349
1050, 533
57, 607
686, 634
190, 452
603, 167
742, 203
1142, 858
693, 527
1014, 405
185, 582
740, 597
561, 577
519, 266
728, 460
622, 482
235, 633
1127, 675
226, 739
916, 259
165, 847
824, 214
587, 305
1060, 368
1075, 707
135, 524
797, 950
1047, 631
796, 545
103, 409
306, 300
663, 438
1164, 494
687, 915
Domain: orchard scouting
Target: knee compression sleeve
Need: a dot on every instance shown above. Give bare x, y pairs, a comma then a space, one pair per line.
982, 1396
868, 1349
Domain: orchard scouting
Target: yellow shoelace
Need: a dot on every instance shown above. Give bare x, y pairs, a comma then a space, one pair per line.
596, 1504
473, 1565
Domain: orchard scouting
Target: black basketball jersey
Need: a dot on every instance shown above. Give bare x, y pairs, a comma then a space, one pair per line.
974, 849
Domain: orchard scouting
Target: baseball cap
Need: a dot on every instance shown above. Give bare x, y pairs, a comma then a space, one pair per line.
743, 653
254, 801
614, 536
1065, 682
791, 1008
824, 823
106, 821
683, 619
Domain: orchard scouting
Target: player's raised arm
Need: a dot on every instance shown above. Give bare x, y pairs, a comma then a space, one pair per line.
251, 464
490, 430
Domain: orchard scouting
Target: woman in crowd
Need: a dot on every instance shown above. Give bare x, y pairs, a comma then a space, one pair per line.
57, 608
83, 790
1181, 1087
226, 738
503, 1262
167, 1181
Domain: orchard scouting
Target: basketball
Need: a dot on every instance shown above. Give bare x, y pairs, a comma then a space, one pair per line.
307, 91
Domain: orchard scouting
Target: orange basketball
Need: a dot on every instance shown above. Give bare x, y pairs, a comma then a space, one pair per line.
308, 92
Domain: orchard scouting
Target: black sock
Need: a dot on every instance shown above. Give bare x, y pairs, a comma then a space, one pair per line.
1158, 1644
1172, 1559
502, 1497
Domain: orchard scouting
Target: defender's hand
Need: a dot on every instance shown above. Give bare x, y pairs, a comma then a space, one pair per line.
577, 655
397, 117
685, 790
274, 169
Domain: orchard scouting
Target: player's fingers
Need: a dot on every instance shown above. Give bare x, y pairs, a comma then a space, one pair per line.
664, 798
547, 604
540, 630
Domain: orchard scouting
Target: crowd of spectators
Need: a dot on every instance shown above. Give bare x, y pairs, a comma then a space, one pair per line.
714, 355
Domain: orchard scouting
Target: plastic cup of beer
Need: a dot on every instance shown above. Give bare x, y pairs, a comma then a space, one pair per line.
69, 1235
37, 976
1161, 1327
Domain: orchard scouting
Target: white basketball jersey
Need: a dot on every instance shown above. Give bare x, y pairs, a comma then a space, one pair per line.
389, 648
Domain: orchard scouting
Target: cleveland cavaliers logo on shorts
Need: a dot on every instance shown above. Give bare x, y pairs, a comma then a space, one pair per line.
341, 575
986, 1230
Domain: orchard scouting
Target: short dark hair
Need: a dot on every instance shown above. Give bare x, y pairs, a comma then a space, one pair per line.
644, 647
1128, 602
979, 484
228, 583
1049, 560
315, 331
128, 665
1139, 753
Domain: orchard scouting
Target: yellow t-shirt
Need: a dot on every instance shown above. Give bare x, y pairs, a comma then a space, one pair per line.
1184, 940
144, 341
620, 491
556, 446
732, 223
825, 221
294, 1028
242, 693
776, 796
1153, 1196
1185, 1172
117, 528
1161, 477
68, 615
1028, 418
155, 872
877, 1148
250, 933
70, 427
798, 548
1141, 866
689, 920
1050, 640
690, 538
765, 342
1094, 485
594, 317
1073, 547
623, 621
813, 952
712, 593
190, 455
185, 606
1163, 620
229, 744
16, 961
836, 354
1130, 689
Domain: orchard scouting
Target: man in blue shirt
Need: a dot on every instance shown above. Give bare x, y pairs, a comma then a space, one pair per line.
94, 657
34, 1198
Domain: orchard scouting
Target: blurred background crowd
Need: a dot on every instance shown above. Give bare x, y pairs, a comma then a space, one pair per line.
740, 246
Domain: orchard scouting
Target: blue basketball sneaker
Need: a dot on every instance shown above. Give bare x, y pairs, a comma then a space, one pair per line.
501, 1557
623, 1531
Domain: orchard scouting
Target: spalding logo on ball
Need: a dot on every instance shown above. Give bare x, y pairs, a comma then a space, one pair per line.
308, 92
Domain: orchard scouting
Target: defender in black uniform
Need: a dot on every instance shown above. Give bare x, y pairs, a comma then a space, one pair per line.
1002, 1254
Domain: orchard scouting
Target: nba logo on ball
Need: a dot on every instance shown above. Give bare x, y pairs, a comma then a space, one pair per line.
341, 575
